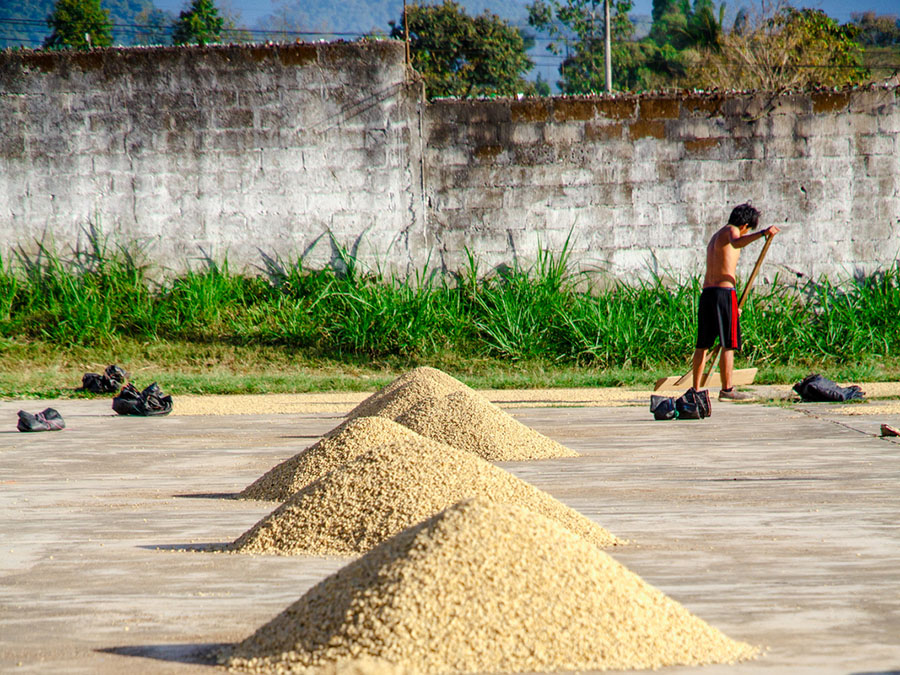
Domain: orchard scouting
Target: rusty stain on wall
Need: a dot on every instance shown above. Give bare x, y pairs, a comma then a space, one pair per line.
701, 144
826, 102
647, 129
617, 108
488, 152
531, 110
577, 110
658, 108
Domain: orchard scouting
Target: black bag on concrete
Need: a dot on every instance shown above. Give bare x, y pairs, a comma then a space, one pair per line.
693, 404
151, 401
46, 420
818, 389
107, 383
663, 407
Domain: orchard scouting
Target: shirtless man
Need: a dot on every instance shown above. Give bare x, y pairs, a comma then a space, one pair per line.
718, 311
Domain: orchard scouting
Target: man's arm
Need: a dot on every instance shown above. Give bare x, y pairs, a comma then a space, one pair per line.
742, 241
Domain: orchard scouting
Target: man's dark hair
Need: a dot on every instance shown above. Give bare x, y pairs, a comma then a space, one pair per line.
744, 214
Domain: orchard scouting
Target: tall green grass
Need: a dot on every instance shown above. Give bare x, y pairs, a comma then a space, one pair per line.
101, 294
93, 295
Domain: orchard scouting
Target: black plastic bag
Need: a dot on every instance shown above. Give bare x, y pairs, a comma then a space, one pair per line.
46, 420
151, 401
663, 407
818, 389
693, 404
107, 383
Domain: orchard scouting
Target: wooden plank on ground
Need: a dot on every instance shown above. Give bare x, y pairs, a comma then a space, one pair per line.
742, 376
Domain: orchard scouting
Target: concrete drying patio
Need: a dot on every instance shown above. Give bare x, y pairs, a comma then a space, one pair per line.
778, 526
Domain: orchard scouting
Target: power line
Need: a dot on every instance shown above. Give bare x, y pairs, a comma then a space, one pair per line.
262, 31
546, 58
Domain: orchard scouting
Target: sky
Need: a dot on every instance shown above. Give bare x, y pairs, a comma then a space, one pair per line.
252, 10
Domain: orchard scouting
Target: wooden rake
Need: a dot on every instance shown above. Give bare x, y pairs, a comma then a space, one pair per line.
743, 376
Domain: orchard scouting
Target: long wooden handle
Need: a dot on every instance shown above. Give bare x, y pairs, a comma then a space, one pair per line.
752, 277
714, 354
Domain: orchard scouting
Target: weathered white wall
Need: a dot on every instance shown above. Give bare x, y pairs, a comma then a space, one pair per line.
231, 151
642, 182
252, 151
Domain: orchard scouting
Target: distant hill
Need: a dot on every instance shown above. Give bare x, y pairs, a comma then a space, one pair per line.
23, 22
353, 17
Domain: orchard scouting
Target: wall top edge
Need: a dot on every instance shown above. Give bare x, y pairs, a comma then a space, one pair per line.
293, 53
661, 107
890, 86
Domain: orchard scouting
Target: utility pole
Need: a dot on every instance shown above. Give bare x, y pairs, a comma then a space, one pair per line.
608, 51
406, 32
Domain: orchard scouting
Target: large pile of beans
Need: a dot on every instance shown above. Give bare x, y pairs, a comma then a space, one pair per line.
389, 488
469, 421
485, 587
407, 391
441, 407
340, 445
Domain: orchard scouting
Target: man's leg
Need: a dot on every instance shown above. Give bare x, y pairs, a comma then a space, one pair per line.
726, 367
697, 366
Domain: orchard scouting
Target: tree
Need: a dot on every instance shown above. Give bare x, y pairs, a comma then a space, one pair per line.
704, 26
661, 8
78, 24
541, 86
877, 31
684, 26
644, 65
578, 31
464, 56
792, 49
679, 34
199, 24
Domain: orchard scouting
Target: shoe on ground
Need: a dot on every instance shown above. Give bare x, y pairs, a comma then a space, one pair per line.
735, 395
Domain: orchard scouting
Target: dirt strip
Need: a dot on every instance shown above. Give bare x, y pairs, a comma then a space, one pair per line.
343, 402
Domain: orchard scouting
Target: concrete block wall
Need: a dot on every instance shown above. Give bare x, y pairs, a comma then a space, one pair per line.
641, 182
219, 151
252, 151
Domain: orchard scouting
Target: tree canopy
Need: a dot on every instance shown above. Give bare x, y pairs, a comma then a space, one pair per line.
199, 24
577, 29
877, 31
460, 55
78, 24
793, 49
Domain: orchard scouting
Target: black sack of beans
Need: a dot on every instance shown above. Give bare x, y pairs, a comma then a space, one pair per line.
107, 383
693, 404
663, 407
817, 389
46, 420
151, 401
